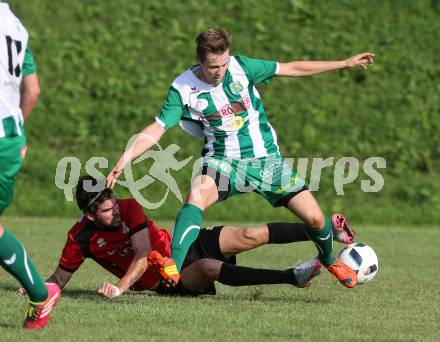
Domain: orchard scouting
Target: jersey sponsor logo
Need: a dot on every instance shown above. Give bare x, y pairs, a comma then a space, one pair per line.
101, 242
122, 250
125, 251
233, 123
236, 107
236, 87
237, 122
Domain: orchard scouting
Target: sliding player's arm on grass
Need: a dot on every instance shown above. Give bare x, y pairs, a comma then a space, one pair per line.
308, 68
71, 260
59, 277
141, 246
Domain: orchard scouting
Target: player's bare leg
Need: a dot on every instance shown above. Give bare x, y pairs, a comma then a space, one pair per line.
320, 232
200, 274
234, 240
203, 193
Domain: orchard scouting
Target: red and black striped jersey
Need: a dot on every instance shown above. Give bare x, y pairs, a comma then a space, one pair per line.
111, 248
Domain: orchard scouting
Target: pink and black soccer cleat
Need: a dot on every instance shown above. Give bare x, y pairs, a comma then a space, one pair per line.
38, 314
341, 231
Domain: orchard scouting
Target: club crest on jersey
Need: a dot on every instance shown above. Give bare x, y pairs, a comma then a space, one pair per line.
101, 242
201, 105
236, 87
125, 229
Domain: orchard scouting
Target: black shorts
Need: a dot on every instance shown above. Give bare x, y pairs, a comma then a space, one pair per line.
207, 245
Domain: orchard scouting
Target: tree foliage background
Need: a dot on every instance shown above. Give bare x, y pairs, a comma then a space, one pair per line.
105, 68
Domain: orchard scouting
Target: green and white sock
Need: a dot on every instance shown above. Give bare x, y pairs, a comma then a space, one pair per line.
323, 240
186, 230
14, 259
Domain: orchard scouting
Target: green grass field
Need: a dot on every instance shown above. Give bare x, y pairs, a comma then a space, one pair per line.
400, 304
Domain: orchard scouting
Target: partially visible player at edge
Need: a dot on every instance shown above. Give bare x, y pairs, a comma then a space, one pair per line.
219, 94
19, 90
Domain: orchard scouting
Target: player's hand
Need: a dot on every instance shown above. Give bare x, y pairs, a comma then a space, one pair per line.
22, 291
109, 290
115, 173
363, 60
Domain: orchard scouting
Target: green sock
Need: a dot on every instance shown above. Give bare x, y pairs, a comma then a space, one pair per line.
323, 240
186, 230
14, 259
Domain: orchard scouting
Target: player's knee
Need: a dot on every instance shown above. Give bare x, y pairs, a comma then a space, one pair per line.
202, 199
316, 221
1, 230
253, 237
211, 268
203, 192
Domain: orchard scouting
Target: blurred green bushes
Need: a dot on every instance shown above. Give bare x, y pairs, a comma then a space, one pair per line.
105, 67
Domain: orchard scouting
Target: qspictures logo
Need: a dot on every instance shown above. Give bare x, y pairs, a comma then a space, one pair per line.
273, 174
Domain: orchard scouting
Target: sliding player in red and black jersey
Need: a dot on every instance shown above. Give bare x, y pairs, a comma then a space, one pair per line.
119, 236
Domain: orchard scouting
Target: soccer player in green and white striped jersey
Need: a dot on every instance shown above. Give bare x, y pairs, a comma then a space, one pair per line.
217, 100
19, 90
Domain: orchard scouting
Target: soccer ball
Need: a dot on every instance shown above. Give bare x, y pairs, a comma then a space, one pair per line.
362, 259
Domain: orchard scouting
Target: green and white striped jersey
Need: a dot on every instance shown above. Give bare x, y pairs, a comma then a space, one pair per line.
16, 61
230, 116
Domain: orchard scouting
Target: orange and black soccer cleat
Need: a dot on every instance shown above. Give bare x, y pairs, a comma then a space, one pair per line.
343, 273
38, 314
165, 267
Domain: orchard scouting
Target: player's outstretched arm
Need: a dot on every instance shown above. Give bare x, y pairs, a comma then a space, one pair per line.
149, 136
59, 277
308, 68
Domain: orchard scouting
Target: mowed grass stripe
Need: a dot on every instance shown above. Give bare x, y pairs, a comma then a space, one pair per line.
400, 304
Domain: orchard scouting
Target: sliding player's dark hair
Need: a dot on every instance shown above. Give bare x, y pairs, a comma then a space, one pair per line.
90, 192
